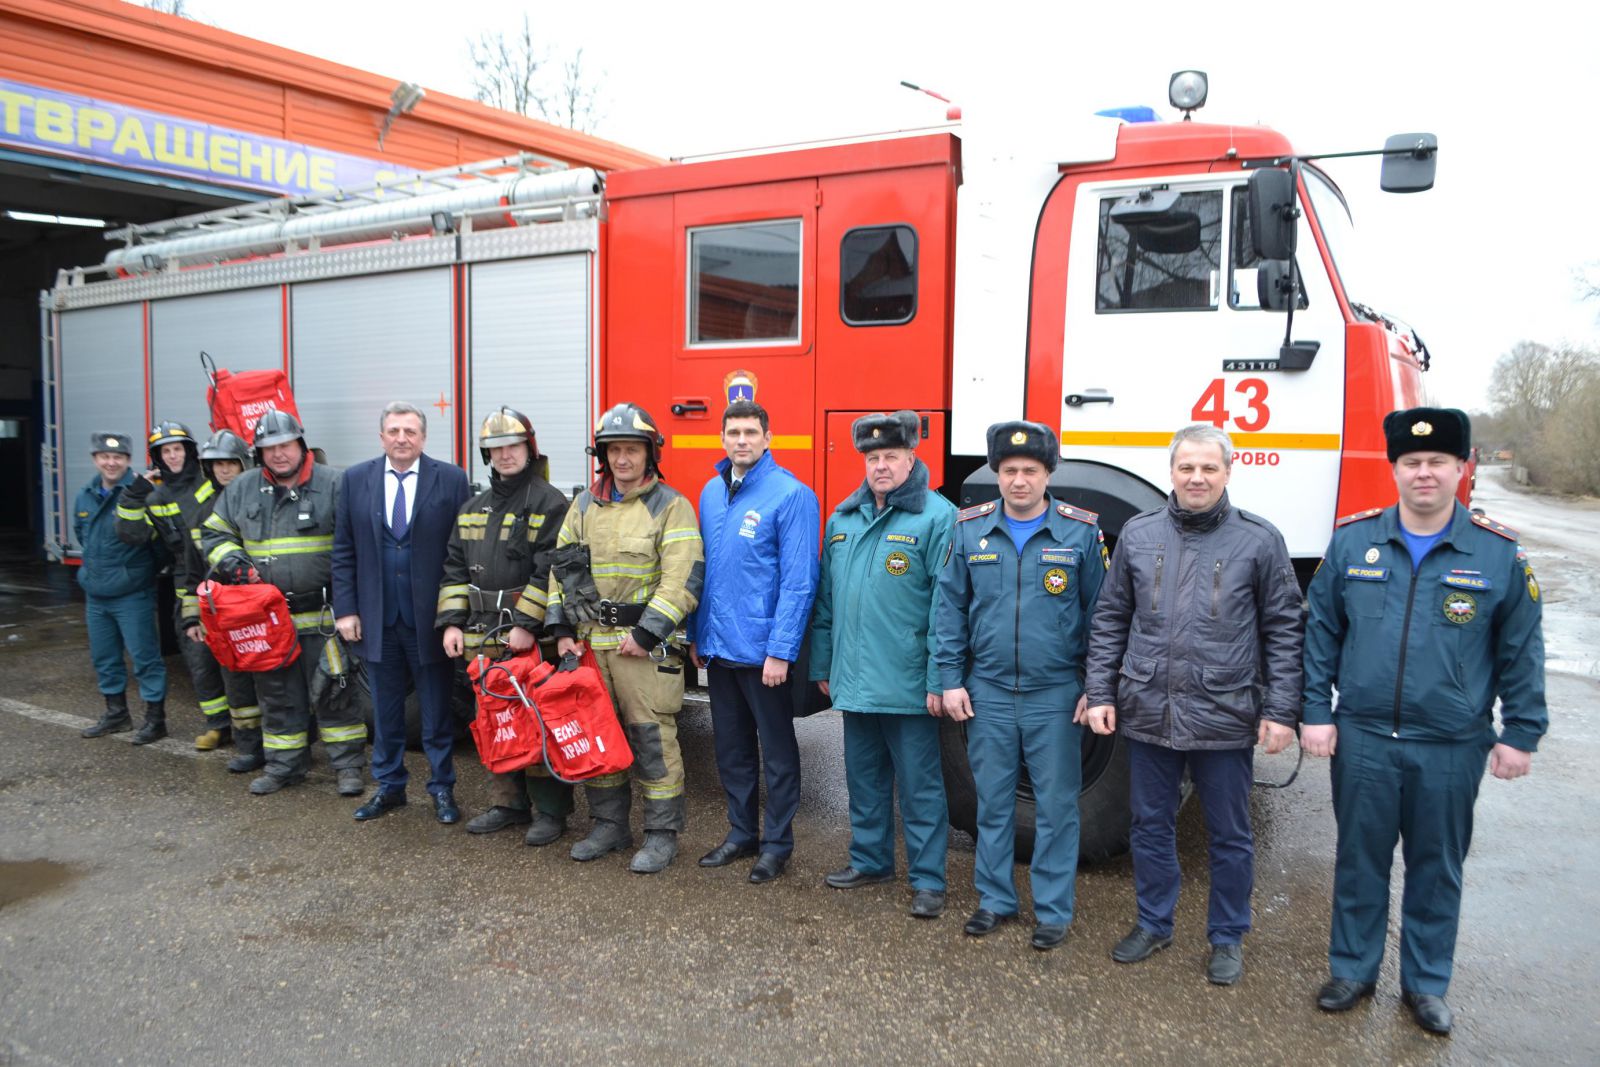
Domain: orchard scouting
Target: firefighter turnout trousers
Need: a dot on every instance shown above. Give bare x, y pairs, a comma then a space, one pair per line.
209, 688
648, 696
286, 711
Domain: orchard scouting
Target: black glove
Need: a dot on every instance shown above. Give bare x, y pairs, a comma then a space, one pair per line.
141, 488
236, 569
569, 662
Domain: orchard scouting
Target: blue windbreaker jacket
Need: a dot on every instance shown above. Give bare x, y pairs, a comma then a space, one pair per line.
761, 565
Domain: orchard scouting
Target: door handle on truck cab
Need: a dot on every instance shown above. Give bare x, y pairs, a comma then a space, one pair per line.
689, 407
1077, 400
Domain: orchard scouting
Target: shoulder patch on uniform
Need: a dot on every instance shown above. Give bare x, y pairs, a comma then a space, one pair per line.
1495, 527
976, 511
1070, 512
1357, 517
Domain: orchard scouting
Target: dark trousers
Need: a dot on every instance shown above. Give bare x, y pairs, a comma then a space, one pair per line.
402, 663
753, 727
117, 622
1222, 781
1419, 793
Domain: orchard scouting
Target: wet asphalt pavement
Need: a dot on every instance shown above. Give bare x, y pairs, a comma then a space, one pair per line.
151, 911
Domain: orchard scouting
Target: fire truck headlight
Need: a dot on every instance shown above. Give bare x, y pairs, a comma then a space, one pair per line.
1187, 90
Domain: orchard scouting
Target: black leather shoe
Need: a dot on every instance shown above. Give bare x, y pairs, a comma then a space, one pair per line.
768, 867
1140, 944
444, 807
725, 854
984, 921
1226, 966
1047, 936
380, 803
927, 903
850, 878
1342, 994
1431, 1012
496, 819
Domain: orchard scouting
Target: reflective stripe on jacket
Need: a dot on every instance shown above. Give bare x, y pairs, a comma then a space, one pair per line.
285, 530
643, 549
501, 545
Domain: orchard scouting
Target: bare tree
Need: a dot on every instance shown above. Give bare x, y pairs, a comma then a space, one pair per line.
576, 101
179, 8
514, 73
506, 70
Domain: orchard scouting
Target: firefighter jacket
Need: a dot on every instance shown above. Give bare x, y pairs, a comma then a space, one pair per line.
497, 564
111, 566
1019, 621
287, 533
1421, 654
877, 598
174, 508
761, 565
644, 550
1197, 634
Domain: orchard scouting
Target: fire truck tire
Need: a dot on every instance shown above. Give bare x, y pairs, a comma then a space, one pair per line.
1103, 810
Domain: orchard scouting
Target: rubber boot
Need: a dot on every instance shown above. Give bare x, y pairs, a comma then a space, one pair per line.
214, 737
155, 723
609, 807
660, 846
114, 720
247, 745
546, 829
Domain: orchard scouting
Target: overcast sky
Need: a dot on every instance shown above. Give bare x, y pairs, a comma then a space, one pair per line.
1490, 256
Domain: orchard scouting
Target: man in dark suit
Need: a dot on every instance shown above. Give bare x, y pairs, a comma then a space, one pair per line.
394, 521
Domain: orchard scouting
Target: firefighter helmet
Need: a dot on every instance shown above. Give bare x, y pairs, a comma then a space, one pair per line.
170, 433
225, 444
276, 428
507, 426
627, 422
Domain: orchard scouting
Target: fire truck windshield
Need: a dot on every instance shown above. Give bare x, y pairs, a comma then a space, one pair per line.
1333, 215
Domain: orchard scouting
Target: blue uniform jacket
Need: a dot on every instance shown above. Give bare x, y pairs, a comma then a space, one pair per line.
872, 638
1422, 655
761, 565
111, 566
1019, 622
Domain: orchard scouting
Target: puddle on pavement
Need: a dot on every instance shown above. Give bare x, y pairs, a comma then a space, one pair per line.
24, 879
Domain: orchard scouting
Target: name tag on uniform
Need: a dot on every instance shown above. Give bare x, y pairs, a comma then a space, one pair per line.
836, 538
1056, 557
901, 539
1367, 574
983, 557
1466, 581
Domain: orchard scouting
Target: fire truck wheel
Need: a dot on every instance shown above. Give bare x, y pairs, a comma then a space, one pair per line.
1103, 810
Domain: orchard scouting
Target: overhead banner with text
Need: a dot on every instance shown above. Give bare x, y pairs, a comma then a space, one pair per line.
83, 128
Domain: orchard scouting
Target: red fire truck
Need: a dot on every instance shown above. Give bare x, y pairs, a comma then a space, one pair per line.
1142, 276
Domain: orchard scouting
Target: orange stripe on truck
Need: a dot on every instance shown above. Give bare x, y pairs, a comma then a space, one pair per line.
1288, 442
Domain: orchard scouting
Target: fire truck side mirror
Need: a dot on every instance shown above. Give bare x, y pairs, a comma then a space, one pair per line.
1274, 285
1409, 162
1273, 214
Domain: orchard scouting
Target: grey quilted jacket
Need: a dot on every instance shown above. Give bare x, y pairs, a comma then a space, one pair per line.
1198, 630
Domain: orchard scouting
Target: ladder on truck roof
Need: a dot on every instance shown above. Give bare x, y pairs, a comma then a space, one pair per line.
511, 191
